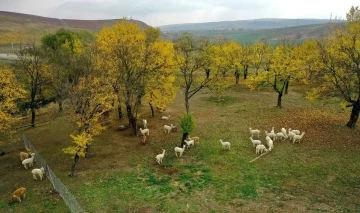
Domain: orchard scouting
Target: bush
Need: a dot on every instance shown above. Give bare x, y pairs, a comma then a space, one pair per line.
187, 123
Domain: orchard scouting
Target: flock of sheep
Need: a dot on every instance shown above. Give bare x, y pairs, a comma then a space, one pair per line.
293, 135
27, 159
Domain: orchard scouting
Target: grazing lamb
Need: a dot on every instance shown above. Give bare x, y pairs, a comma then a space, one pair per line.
283, 130
159, 157
165, 117
255, 142
291, 135
17, 194
281, 136
294, 131
195, 138
260, 148
254, 131
143, 139
298, 137
145, 123
25, 155
28, 161
225, 145
39, 172
189, 143
272, 130
144, 131
180, 150
271, 135
167, 128
270, 143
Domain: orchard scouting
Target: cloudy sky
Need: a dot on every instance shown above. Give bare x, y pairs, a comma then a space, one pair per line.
164, 12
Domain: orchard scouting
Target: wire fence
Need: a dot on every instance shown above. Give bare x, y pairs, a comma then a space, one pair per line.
55, 181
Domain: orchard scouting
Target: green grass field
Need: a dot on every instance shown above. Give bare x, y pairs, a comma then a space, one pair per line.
320, 174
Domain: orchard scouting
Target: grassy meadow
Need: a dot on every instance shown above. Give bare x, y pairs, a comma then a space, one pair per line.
320, 174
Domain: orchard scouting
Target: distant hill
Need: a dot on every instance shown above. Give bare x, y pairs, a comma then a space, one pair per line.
255, 24
20, 28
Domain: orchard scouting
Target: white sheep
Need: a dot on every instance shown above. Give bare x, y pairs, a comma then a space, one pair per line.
270, 143
271, 135
167, 128
260, 148
283, 130
255, 142
291, 135
272, 130
281, 136
294, 131
159, 157
165, 117
29, 161
144, 131
225, 145
254, 131
39, 172
145, 123
189, 143
298, 137
180, 150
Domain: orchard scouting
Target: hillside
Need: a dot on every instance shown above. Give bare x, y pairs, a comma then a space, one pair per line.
240, 25
303, 32
20, 28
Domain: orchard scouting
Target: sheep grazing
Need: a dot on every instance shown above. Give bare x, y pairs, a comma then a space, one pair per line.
143, 139
225, 145
291, 135
294, 131
298, 137
281, 136
144, 131
271, 135
28, 161
159, 157
195, 138
180, 150
25, 155
165, 117
167, 128
145, 123
283, 130
39, 172
255, 142
260, 148
189, 143
18, 194
270, 143
254, 131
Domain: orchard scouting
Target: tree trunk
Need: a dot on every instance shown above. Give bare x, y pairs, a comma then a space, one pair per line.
60, 103
287, 86
184, 137
152, 110
120, 114
237, 79
76, 159
246, 71
187, 106
32, 116
132, 119
279, 100
354, 115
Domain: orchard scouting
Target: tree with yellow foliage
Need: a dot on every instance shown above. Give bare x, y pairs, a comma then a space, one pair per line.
131, 57
340, 60
278, 70
260, 54
10, 91
91, 97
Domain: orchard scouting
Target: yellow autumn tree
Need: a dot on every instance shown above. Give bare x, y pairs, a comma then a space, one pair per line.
260, 54
340, 61
91, 96
10, 91
279, 69
132, 61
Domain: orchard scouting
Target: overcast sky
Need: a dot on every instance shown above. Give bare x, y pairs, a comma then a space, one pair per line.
164, 12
